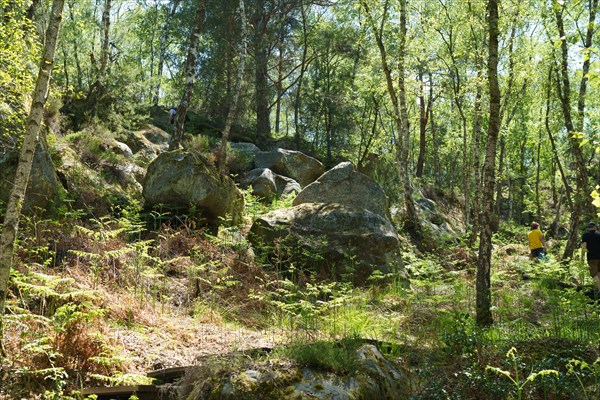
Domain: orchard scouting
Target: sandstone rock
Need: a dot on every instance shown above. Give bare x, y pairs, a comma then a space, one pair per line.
286, 186
241, 157
343, 185
147, 143
121, 149
181, 180
332, 238
293, 164
43, 186
375, 378
267, 184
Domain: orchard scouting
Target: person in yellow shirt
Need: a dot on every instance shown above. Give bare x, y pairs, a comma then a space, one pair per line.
536, 241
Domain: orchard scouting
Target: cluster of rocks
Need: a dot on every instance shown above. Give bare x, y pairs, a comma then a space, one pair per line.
339, 223
374, 378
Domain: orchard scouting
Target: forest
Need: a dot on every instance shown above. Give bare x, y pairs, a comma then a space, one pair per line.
297, 199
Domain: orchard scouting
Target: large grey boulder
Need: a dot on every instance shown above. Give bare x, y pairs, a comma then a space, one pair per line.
241, 156
375, 378
343, 184
290, 163
184, 180
332, 239
267, 184
42, 187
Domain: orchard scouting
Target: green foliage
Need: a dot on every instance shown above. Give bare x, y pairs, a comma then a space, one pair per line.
335, 356
515, 379
19, 49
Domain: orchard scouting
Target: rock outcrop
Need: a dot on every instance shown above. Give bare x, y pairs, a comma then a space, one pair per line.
241, 157
184, 181
375, 378
293, 164
147, 143
43, 186
343, 185
333, 239
267, 184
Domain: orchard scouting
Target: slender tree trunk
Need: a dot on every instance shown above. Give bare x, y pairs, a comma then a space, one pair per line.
538, 206
105, 51
423, 116
71, 5
483, 300
412, 222
189, 74
498, 185
435, 145
363, 154
17, 196
553, 143
509, 116
162, 52
475, 151
298, 103
580, 204
280, 77
236, 94
65, 67
263, 123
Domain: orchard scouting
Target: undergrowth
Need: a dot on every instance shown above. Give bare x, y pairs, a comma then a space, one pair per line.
78, 278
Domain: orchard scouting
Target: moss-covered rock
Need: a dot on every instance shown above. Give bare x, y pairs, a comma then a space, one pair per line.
375, 378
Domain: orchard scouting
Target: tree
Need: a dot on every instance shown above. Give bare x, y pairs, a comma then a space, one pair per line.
573, 125
189, 75
400, 114
34, 121
162, 53
236, 94
483, 301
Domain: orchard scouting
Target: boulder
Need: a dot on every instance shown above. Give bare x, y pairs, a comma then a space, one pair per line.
120, 148
343, 185
286, 186
184, 180
147, 143
293, 164
267, 184
430, 211
241, 156
333, 239
375, 378
43, 186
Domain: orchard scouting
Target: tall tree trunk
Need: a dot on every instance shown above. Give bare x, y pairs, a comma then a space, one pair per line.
105, 51
303, 66
71, 5
498, 185
97, 90
412, 222
483, 300
236, 94
280, 77
189, 75
475, 151
580, 204
263, 123
435, 145
17, 196
162, 52
538, 207
553, 143
423, 116
65, 68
